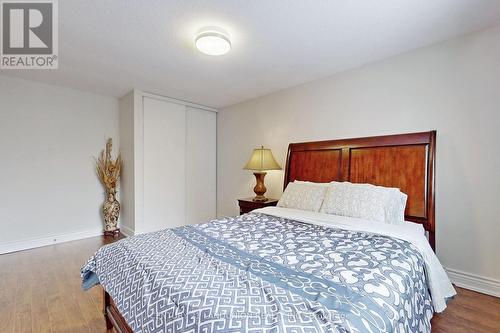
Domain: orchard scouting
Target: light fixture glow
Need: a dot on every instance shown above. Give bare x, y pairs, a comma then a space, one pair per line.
213, 41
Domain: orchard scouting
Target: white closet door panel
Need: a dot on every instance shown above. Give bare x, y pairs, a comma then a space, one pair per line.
164, 164
200, 165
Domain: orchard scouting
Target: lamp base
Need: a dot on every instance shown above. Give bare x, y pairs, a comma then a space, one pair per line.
260, 199
259, 188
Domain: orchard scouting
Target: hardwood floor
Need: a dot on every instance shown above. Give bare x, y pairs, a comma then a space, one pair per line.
40, 292
469, 311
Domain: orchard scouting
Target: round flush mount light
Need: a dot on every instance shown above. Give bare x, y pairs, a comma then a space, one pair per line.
213, 41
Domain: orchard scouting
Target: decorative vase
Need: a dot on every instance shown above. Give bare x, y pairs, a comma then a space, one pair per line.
111, 211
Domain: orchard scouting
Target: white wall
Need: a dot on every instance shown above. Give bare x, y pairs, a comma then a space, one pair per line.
48, 137
127, 186
453, 87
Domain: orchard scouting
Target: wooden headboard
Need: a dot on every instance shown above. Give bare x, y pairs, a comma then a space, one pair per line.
405, 161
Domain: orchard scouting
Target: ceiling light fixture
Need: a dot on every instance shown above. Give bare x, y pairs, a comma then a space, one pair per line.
213, 41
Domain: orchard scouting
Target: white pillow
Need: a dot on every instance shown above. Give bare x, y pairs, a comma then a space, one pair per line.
303, 196
399, 203
366, 201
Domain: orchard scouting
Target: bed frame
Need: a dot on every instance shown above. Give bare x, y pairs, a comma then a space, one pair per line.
406, 161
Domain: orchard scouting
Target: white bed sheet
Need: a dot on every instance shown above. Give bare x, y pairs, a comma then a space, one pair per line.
439, 284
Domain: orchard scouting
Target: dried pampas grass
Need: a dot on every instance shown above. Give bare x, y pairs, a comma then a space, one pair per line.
108, 171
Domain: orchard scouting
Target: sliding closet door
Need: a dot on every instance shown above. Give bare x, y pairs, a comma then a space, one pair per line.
164, 164
200, 165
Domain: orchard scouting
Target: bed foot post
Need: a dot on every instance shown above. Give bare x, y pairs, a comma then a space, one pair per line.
109, 324
432, 240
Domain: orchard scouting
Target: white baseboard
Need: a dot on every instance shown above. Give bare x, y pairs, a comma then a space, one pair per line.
474, 282
31, 243
129, 232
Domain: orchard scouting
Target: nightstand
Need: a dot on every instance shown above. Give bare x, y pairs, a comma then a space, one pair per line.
247, 204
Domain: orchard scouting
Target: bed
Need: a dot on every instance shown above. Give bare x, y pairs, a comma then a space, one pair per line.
288, 270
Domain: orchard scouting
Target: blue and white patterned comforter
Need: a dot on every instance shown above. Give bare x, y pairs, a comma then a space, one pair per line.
262, 273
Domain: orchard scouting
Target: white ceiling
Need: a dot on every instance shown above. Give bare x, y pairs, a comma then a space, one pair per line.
110, 47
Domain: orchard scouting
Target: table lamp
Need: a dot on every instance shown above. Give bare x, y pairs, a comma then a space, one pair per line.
262, 159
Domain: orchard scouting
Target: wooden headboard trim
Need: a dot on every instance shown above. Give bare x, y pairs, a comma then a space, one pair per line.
345, 147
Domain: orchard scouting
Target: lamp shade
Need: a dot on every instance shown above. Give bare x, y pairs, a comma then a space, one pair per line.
262, 159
